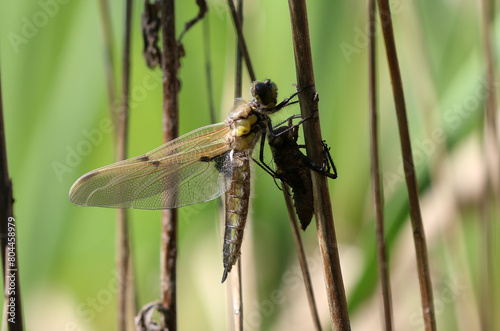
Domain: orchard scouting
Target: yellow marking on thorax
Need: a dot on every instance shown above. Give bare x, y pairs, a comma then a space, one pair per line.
244, 126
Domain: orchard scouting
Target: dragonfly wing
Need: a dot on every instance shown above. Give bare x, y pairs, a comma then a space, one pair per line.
187, 170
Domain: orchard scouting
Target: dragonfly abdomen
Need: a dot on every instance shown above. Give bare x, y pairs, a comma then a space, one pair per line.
237, 199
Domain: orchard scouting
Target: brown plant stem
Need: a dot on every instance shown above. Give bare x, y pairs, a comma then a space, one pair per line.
170, 64
409, 168
308, 101
123, 242
241, 39
302, 257
378, 196
202, 10
8, 239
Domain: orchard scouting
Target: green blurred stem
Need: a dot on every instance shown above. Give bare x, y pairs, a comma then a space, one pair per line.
491, 154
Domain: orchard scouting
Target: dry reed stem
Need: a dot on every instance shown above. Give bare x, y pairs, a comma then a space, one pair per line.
301, 256
170, 64
409, 168
241, 39
123, 244
378, 196
7, 216
322, 205
235, 298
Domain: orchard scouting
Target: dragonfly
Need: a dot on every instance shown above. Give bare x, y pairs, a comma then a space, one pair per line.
196, 167
293, 167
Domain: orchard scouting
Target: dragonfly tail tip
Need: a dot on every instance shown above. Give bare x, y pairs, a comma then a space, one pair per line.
224, 276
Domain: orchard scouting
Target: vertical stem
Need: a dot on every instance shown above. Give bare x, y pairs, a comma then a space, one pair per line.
208, 68
8, 239
323, 210
239, 73
376, 173
108, 58
409, 168
488, 300
241, 39
302, 257
123, 253
170, 63
235, 279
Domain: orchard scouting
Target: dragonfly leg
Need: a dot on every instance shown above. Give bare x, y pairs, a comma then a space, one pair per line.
290, 126
262, 163
287, 120
327, 165
329, 160
266, 168
287, 100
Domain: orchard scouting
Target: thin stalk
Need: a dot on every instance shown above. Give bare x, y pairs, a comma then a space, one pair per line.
308, 101
13, 310
123, 242
241, 39
208, 68
302, 257
409, 168
203, 9
378, 196
239, 68
235, 298
108, 58
491, 156
170, 63
235, 284
488, 38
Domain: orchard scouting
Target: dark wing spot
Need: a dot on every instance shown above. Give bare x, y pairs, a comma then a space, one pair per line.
205, 159
219, 160
155, 163
143, 158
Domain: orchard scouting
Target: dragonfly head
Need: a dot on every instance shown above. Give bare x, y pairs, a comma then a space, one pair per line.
266, 93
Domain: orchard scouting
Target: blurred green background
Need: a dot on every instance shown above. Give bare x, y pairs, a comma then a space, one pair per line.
56, 108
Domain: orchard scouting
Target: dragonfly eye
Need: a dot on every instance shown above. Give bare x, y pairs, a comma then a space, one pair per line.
265, 92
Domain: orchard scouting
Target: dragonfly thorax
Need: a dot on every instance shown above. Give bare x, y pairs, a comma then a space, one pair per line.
246, 126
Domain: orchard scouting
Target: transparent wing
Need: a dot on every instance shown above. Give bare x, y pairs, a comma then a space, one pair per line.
184, 171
